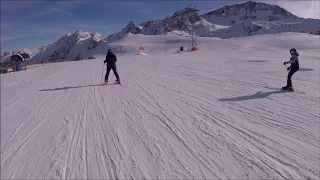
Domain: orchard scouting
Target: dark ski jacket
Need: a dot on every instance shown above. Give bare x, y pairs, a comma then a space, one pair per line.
294, 61
110, 58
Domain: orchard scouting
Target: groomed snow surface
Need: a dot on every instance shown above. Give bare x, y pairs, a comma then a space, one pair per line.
189, 115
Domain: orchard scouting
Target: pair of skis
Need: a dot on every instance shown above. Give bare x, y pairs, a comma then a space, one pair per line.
116, 82
285, 90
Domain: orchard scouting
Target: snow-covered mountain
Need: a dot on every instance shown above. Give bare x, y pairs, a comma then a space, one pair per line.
249, 11
244, 19
250, 18
41, 49
180, 23
74, 46
130, 28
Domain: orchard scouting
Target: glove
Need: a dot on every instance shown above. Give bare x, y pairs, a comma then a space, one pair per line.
284, 63
288, 68
104, 62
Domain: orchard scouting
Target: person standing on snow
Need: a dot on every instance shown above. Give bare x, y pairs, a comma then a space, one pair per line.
294, 61
111, 60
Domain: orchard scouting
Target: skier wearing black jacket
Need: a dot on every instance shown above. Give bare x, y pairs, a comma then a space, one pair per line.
294, 61
111, 60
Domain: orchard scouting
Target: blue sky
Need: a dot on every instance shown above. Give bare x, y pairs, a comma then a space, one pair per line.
30, 24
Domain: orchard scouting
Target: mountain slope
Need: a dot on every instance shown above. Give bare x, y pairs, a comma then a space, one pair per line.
237, 20
200, 115
248, 12
74, 46
180, 23
253, 18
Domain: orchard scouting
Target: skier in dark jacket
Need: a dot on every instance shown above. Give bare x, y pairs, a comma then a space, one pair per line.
294, 61
111, 60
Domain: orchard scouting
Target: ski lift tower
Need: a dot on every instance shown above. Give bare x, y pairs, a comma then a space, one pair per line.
192, 40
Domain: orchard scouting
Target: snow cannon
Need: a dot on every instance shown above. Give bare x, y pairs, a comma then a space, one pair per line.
194, 49
141, 49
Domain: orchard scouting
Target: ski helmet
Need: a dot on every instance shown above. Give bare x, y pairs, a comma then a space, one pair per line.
293, 50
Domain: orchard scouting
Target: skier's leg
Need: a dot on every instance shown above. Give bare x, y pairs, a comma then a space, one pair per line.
107, 73
114, 68
289, 82
294, 71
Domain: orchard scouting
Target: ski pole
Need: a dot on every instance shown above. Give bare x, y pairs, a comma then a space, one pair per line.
300, 81
296, 77
102, 73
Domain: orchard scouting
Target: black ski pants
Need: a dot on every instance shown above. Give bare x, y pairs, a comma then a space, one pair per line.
291, 72
112, 66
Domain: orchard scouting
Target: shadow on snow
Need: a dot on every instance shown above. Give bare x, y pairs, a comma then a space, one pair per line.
257, 95
74, 87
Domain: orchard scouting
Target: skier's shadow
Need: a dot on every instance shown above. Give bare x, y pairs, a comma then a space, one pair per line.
257, 95
74, 87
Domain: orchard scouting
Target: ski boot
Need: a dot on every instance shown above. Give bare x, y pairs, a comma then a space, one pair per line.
286, 88
290, 89
118, 81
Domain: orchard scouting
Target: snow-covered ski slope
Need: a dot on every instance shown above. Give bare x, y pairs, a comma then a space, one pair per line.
199, 115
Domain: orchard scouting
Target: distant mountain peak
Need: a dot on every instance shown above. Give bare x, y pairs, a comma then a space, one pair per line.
250, 7
132, 28
187, 14
185, 11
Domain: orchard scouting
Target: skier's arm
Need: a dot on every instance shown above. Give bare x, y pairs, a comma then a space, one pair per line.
292, 60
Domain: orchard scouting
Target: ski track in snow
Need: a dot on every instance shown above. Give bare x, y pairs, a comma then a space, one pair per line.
177, 116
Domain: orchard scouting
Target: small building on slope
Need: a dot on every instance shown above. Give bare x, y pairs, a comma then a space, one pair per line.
16, 62
20, 61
